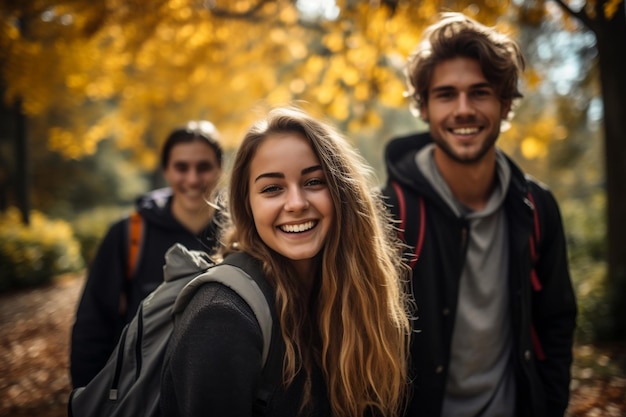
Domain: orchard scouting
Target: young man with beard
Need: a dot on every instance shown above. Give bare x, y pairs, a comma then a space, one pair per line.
496, 311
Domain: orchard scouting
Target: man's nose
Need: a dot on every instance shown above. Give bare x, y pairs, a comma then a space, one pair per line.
464, 105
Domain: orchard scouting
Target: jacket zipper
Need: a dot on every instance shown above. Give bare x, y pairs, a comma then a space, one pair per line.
118, 366
139, 341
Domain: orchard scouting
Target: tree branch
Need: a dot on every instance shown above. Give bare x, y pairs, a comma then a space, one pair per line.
580, 15
250, 14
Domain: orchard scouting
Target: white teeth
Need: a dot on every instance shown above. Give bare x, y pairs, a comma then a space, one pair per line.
297, 228
465, 130
194, 194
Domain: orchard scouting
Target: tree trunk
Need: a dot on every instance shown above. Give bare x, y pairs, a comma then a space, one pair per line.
22, 174
611, 37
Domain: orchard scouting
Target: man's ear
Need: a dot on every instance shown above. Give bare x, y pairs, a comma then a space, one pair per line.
424, 112
506, 108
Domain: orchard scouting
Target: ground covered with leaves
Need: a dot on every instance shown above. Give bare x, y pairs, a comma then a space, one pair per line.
34, 338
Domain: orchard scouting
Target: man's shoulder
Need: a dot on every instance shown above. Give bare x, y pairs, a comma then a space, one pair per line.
535, 183
540, 191
524, 181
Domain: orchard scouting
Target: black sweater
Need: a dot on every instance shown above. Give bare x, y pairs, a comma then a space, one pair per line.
213, 363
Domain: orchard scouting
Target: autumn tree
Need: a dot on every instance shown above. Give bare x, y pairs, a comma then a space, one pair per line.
128, 70
607, 20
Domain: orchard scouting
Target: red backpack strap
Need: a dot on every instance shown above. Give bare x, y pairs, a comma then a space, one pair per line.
401, 209
402, 218
533, 241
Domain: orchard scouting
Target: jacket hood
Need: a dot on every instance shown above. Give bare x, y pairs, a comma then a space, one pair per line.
155, 209
180, 261
400, 155
154, 199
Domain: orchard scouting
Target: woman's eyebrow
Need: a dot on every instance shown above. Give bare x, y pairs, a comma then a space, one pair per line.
311, 169
270, 175
281, 175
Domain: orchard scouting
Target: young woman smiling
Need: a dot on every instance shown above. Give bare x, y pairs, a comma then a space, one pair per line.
302, 204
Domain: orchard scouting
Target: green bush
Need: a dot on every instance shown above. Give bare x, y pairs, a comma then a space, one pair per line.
594, 318
585, 228
33, 255
90, 227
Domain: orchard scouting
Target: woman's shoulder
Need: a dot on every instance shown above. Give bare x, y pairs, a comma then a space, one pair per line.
214, 302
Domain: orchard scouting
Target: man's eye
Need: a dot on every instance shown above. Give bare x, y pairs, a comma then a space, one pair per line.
481, 93
445, 95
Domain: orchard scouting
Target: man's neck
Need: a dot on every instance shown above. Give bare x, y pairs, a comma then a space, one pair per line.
195, 221
470, 184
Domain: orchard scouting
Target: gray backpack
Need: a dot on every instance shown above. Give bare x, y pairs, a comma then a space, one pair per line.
130, 382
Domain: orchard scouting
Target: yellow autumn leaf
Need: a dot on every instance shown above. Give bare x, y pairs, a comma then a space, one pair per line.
334, 41
362, 91
533, 148
339, 107
610, 8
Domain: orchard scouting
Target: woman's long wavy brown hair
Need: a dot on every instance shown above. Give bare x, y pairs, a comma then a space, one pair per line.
356, 324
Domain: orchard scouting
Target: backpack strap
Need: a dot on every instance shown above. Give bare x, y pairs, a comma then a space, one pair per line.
533, 242
244, 274
403, 221
136, 232
272, 373
238, 280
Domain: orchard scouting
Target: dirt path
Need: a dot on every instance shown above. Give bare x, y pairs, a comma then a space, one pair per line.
34, 337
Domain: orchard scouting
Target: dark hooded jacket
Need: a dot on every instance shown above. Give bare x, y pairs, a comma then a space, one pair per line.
542, 369
101, 313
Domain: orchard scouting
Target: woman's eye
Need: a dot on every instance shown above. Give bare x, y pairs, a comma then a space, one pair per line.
315, 181
270, 189
181, 167
204, 167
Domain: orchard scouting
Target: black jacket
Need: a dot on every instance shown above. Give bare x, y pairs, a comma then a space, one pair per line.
98, 321
542, 383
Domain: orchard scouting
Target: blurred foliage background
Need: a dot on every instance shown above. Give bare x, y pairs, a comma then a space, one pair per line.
91, 88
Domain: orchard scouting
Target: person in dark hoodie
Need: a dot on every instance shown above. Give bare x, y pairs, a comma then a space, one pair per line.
496, 311
186, 212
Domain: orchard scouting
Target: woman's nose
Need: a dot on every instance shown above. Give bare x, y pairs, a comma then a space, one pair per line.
296, 200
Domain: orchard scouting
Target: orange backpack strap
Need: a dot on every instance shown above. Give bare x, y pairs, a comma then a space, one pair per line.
135, 240
135, 234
